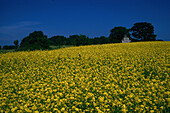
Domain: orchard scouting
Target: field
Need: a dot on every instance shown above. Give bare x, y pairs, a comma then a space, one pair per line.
129, 77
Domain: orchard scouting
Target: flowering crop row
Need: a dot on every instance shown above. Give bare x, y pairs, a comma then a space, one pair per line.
129, 77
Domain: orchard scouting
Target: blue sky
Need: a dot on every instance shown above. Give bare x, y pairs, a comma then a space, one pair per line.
93, 18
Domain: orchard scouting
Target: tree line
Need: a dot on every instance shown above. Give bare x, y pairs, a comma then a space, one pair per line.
36, 40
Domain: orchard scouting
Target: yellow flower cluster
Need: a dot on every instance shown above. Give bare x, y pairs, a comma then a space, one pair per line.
129, 77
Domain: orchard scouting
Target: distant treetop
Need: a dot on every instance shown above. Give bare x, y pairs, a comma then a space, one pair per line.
143, 31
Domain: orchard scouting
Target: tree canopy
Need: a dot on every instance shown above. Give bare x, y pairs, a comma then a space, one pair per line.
143, 31
16, 42
78, 40
117, 34
35, 40
57, 40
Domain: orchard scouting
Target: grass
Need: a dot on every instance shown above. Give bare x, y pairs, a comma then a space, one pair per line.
6, 51
58, 47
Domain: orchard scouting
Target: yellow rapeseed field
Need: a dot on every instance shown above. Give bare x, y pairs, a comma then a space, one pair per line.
125, 77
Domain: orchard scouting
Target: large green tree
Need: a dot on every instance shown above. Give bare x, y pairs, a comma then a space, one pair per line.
143, 31
118, 33
35, 41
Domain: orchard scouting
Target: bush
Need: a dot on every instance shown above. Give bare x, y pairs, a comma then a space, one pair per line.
6, 47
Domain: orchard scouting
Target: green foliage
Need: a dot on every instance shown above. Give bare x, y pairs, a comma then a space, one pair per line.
117, 34
78, 40
83, 40
104, 40
96, 40
143, 31
6, 47
73, 40
35, 41
2, 51
100, 40
135, 40
57, 40
16, 44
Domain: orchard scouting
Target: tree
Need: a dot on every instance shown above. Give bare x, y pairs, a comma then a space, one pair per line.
73, 40
117, 34
143, 31
103, 40
83, 40
78, 40
0, 46
57, 40
16, 43
6, 47
35, 41
100, 40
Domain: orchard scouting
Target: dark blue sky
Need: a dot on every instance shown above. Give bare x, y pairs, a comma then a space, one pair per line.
93, 18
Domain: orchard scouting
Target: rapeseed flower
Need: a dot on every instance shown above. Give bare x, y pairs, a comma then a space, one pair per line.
130, 77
